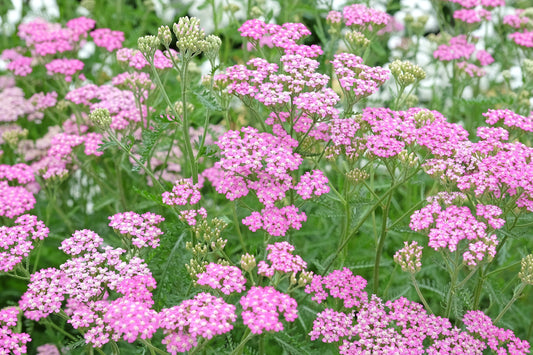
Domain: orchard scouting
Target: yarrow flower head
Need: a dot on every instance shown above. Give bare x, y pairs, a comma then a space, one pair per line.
342, 284
282, 260
262, 307
203, 316
183, 193
275, 221
141, 228
227, 279
357, 78
409, 257
10, 341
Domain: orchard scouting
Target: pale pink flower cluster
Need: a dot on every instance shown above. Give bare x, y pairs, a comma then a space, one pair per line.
66, 67
409, 257
183, 193
448, 227
108, 39
458, 48
281, 36
473, 3
141, 229
509, 118
11, 342
85, 281
404, 327
341, 284
262, 307
226, 278
20, 172
82, 241
523, 39
490, 212
16, 242
517, 20
356, 77
46, 38
471, 16
20, 66
121, 103
203, 316
275, 221
281, 259
14, 200
312, 183
362, 18
137, 82
497, 339
135, 59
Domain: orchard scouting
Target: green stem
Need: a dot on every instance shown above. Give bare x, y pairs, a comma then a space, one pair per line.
420, 295
59, 329
368, 212
516, 294
153, 348
237, 226
193, 166
246, 336
381, 243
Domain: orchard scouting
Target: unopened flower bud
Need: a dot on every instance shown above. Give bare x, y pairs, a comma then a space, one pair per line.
305, 278
409, 257
147, 45
248, 262
357, 175
213, 46
164, 35
190, 37
101, 118
357, 40
526, 273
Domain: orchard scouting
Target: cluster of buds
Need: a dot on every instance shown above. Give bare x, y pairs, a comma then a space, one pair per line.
191, 39
148, 45
13, 136
248, 262
526, 273
409, 257
178, 107
356, 42
304, 278
423, 118
101, 118
417, 25
164, 35
207, 235
410, 160
406, 73
355, 176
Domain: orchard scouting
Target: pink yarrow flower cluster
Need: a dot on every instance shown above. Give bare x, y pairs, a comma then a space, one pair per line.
362, 18
141, 229
341, 284
281, 36
203, 316
14, 200
226, 278
262, 307
10, 341
471, 16
108, 39
509, 119
183, 193
449, 226
275, 221
282, 259
66, 67
357, 78
121, 103
135, 59
16, 242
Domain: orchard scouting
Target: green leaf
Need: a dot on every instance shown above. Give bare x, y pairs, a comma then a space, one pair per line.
207, 99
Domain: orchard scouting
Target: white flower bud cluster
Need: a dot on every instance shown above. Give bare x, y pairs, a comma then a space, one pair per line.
406, 73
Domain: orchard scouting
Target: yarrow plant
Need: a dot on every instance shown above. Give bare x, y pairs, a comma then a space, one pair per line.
269, 179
